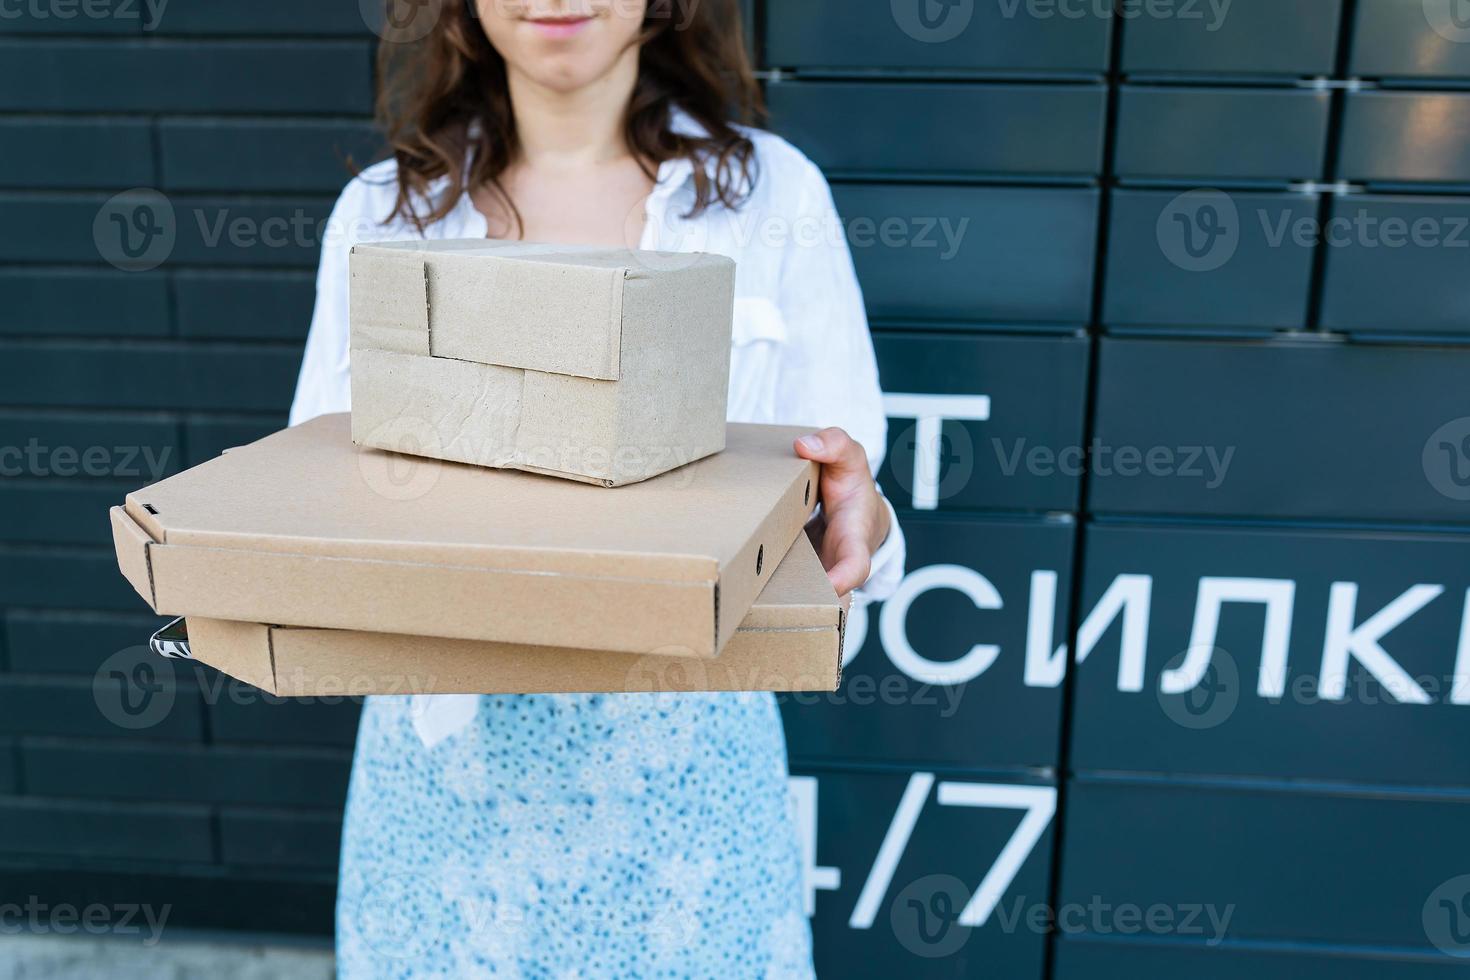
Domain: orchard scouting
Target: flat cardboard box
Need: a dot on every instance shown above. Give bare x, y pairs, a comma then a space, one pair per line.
304, 529
791, 640
606, 366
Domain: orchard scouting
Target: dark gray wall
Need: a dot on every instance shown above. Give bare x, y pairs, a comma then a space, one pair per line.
1225, 247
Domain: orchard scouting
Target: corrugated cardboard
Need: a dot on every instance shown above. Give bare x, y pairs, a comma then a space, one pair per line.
304, 529
791, 640
598, 365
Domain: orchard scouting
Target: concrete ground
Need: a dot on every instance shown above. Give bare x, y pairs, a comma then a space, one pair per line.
181, 956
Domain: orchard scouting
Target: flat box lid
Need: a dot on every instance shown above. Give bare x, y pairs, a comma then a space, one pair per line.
791, 640
304, 529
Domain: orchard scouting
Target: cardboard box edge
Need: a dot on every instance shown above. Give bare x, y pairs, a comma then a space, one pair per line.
244, 651
264, 656
134, 558
780, 527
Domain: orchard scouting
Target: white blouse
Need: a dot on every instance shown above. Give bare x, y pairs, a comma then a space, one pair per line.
801, 352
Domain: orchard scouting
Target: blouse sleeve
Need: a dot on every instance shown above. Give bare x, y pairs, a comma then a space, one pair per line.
324, 384
832, 375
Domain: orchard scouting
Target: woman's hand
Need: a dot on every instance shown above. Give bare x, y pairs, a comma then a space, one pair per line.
854, 518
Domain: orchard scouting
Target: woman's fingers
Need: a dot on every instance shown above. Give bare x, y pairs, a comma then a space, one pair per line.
850, 562
844, 463
850, 506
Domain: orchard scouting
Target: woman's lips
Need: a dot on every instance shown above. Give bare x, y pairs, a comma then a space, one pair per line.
559, 27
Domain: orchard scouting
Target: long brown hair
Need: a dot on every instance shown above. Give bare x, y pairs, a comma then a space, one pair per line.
444, 104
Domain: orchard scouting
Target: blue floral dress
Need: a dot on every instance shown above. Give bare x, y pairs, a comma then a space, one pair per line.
629, 835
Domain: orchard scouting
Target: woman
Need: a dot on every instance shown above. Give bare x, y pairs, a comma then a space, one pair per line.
602, 835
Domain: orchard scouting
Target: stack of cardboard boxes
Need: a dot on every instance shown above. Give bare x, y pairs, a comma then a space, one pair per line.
536, 491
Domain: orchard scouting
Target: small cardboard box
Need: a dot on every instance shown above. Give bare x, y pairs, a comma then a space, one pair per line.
791, 640
597, 365
304, 529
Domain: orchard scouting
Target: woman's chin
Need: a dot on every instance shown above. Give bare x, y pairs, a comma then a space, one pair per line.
562, 75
